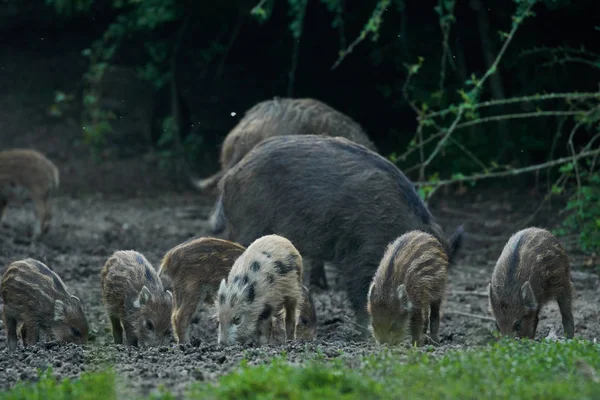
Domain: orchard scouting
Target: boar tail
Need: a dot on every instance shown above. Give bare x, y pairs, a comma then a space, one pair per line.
456, 241
217, 218
207, 183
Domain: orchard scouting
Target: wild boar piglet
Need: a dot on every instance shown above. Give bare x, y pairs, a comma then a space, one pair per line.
27, 174
532, 270
37, 300
264, 279
195, 269
306, 327
408, 289
135, 300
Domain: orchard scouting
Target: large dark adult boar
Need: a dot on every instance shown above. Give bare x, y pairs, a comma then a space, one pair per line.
532, 270
35, 297
334, 199
283, 116
27, 174
135, 299
195, 269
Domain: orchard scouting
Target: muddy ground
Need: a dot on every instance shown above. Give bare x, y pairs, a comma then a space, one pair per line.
131, 204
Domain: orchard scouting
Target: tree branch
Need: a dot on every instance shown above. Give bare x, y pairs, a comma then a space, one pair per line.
513, 172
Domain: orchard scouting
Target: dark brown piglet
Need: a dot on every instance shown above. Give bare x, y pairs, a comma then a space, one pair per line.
27, 174
36, 300
306, 327
408, 289
135, 300
532, 270
195, 270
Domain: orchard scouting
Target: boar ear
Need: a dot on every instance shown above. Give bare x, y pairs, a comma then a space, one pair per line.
143, 297
59, 310
528, 297
370, 294
404, 301
223, 286
490, 293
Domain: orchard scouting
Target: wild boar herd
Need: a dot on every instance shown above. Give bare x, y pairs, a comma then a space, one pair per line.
300, 184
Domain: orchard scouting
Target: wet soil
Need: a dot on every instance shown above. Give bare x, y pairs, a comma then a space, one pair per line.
129, 203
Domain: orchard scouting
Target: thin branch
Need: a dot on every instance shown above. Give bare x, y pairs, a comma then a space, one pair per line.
517, 116
380, 8
509, 39
232, 40
446, 54
536, 97
468, 153
481, 121
446, 137
513, 172
571, 147
259, 5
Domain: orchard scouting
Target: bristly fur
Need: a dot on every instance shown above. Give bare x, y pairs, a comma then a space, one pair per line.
318, 191
135, 299
28, 174
243, 296
532, 270
196, 268
411, 280
37, 298
278, 117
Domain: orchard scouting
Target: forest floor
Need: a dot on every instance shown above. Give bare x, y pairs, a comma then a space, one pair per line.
130, 204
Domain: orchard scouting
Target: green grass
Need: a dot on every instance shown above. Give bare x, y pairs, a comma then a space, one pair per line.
508, 369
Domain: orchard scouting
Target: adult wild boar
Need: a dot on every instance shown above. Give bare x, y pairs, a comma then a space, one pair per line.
278, 117
334, 199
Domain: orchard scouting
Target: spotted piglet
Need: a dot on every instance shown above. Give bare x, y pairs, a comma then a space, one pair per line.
265, 279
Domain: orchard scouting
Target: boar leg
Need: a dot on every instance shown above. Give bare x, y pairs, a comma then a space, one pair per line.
416, 328
30, 334
3, 204
290, 318
131, 337
117, 330
11, 332
185, 304
42, 213
316, 272
435, 322
565, 306
357, 288
264, 331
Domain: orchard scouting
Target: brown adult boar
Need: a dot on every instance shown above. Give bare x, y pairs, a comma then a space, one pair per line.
336, 200
36, 298
532, 270
264, 279
28, 174
409, 284
306, 327
135, 300
283, 116
195, 269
